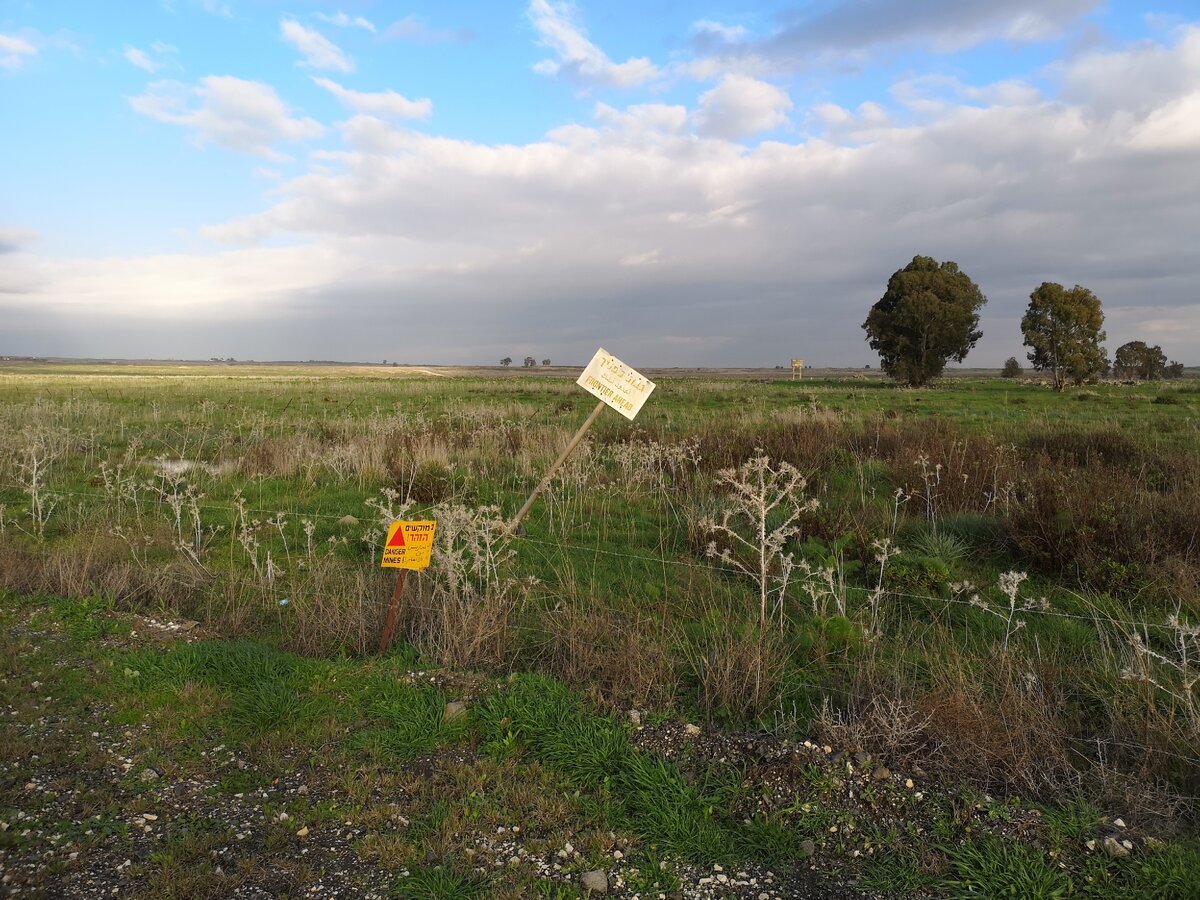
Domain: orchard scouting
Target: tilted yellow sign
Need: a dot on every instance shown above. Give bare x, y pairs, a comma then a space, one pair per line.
620, 386
408, 545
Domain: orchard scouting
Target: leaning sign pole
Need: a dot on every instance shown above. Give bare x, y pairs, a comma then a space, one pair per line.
615, 384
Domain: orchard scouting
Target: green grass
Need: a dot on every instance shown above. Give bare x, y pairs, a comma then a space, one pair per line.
318, 443
548, 760
541, 716
439, 884
994, 868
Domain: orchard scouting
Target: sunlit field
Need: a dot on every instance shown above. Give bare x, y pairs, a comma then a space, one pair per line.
985, 586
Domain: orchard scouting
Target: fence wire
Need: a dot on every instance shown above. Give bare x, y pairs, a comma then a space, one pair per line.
561, 546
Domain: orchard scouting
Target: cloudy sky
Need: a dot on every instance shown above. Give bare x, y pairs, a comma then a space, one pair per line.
684, 183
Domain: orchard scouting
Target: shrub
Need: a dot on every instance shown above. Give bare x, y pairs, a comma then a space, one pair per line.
916, 575
984, 536
464, 614
1012, 368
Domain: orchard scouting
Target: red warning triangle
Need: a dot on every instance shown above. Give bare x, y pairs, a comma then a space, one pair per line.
397, 539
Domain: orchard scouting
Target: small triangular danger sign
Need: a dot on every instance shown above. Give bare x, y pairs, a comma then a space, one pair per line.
397, 539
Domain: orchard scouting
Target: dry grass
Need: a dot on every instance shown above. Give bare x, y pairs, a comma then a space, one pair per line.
479, 633
97, 567
621, 658
739, 670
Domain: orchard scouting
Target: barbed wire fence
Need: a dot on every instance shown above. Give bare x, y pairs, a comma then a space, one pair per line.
1099, 745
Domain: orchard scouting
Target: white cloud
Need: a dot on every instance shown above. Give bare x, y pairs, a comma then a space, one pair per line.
735, 60
410, 28
939, 25
1174, 126
318, 51
14, 239
730, 34
577, 57
341, 20
1137, 78
247, 116
762, 252
15, 52
217, 8
224, 287
741, 107
1017, 187
649, 258
853, 31
382, 103
142, 60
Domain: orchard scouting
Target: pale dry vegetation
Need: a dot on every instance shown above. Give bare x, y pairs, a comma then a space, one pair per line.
1011, 604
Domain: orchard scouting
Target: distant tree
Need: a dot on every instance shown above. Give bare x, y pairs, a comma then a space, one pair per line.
929, 314
1137, 360
529, 361
545, 362
507, 361
1062, 328
1173, 370
1012, 368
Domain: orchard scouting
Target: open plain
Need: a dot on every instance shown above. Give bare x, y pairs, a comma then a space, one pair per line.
776, 638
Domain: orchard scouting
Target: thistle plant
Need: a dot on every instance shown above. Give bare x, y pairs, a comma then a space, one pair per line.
246, 532
932, 478
470, 553
823, 584
1006, 611
1173, 670
389, 507
660, 466
33, 465
765, 504
884, 550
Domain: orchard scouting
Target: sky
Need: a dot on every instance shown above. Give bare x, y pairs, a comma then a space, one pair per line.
683, 183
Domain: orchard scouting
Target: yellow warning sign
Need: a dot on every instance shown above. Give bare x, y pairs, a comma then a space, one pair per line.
408, 545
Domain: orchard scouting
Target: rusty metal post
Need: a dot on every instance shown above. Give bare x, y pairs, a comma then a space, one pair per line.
386, 637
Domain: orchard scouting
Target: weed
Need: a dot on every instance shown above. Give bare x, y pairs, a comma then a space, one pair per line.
439, 884
739, 668
595, 753
991, 867
466, 616
943, 545
896, 873
626, 660
767, 502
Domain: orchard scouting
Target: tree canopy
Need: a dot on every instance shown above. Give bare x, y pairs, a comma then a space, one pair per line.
1062, 328
1138, 360
929, 314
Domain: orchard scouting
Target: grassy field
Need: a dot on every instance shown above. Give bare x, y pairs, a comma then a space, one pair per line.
986, 589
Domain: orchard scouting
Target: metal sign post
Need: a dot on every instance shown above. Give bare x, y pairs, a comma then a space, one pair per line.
409, 545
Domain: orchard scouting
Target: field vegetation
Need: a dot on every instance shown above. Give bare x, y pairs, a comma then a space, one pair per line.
988, 583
